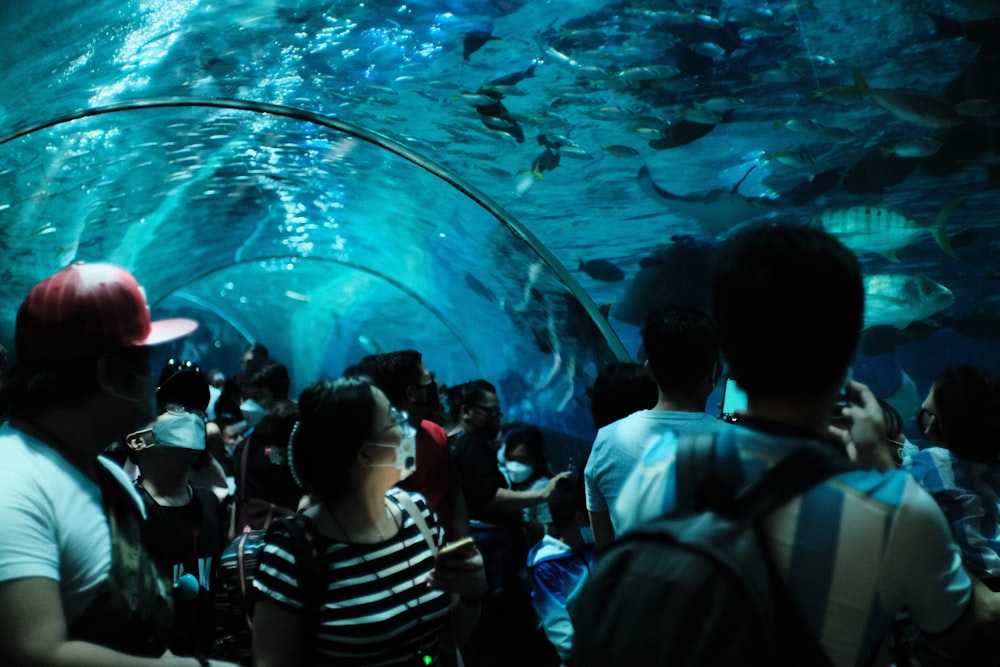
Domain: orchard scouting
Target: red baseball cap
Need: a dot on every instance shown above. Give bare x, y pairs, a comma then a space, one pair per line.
86, 310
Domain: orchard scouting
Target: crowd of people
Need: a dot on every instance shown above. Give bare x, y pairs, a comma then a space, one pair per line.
402, 522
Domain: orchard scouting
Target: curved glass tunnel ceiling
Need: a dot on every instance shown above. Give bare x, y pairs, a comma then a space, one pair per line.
792, 137
315, 237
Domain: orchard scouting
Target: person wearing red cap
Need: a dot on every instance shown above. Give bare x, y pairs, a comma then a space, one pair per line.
76, 586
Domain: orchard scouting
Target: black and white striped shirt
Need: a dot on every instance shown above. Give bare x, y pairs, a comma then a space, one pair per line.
375, 608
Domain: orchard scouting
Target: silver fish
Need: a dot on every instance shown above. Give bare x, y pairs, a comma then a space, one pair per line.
880, 230
899, 300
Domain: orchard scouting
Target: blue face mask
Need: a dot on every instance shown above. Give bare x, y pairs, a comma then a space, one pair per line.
185, 430
252, 412
518, 472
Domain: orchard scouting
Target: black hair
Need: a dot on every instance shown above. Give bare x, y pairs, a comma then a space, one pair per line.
336, 417
392, 372
182, 382
276, 425
619, 390
682, 346
533, 440
789, 303
967, 402
467, 393
566, 500
270, 375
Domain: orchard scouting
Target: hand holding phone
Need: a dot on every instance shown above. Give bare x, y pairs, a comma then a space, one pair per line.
458, 550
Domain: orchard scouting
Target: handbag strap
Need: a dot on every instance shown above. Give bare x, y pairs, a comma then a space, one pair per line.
410, 507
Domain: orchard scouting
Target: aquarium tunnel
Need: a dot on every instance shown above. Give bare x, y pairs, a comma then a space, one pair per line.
508, 187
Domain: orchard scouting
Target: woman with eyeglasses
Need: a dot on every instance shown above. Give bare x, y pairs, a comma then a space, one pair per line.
358, 579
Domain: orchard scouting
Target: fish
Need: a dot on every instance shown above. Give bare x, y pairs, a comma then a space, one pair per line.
717, 211
547, 160
790, 158
476, 38
721, 104
913, 147
479, 288
297, 296
647, 73
899, 300
912, 106
514, 78
619, 150
880, 230
812, 129
603, 270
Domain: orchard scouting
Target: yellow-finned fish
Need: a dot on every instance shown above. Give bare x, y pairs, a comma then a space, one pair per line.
877, 229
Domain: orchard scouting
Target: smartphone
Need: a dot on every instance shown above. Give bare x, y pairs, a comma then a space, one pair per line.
733, 399
460, 548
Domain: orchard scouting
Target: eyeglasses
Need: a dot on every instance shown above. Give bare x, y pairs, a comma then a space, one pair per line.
923, 419
489, 412
401, 419
425, 385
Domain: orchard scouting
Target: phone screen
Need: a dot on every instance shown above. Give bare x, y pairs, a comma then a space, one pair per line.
733, 399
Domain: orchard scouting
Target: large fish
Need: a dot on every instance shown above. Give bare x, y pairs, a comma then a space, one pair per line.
877, 229
913, 106
899, 300
718, 211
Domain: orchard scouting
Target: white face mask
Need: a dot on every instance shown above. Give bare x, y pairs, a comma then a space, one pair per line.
180, 431
406, 452
519, 472
252, 412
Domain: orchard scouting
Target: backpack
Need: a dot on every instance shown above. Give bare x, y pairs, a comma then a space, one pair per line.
236, 595
697, 586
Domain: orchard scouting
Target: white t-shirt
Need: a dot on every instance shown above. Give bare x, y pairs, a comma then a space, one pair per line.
619, 445
52, 522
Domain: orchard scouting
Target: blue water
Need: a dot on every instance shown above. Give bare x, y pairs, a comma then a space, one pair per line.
324, 243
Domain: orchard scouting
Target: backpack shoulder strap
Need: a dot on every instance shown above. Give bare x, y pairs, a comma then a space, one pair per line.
798, 472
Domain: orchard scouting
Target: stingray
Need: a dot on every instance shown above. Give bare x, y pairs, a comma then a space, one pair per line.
717, 212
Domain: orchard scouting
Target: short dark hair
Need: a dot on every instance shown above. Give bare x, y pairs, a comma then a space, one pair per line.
270, 375
619, 390
682, 346
392, 372
967, 400
789, 303
466, 393
336, 417
566, 500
